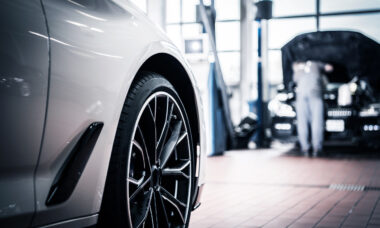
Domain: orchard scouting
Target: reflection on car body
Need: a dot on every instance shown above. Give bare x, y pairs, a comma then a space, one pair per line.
91, 92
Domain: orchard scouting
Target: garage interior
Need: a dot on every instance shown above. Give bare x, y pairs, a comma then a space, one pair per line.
268, 182
277, 188
190, 113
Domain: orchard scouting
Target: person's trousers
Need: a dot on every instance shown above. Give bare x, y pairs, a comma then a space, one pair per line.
310, 112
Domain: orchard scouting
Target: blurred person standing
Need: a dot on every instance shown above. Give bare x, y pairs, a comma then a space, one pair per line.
309, 104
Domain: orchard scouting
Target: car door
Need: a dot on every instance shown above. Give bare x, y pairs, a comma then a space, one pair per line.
24, 63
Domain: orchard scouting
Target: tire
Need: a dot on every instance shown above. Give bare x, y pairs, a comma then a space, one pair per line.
150, 178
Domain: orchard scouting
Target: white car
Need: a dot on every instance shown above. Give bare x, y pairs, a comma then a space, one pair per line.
101, 121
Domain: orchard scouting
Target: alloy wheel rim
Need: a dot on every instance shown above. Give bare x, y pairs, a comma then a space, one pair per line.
159, 169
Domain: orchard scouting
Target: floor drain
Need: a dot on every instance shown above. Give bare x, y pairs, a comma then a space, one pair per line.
338, 187
369, 188
347, 187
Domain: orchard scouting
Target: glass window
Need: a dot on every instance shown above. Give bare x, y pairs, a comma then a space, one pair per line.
227, 9
255, 26
253, 79
255, 60
348, 5
141, 4
283, 30
293, 7
230, 64
227, 36
191, 30
173, 11
189, 10
367, 24
275, 67
174, 33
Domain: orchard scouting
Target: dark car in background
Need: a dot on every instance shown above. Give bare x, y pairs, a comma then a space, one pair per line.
352, 94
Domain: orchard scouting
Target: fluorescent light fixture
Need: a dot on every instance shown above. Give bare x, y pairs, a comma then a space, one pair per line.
193, 46
283, 126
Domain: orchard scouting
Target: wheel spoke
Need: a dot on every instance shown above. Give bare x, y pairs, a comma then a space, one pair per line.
155, 107
175, 203
146, 135
171, 143
140, 186
165, 129
184, 135
145, 147
151, 215
152, 113
177, 171
176, 212
141, 209
168, 195
155, 128
162, 218
136, 182
154, 210
140, 149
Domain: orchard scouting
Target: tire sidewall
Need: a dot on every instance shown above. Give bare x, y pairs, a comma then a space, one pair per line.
135, 102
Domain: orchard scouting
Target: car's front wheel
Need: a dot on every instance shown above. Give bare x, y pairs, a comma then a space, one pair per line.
149, 182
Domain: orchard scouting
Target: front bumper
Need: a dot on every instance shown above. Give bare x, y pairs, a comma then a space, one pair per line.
284, 128
198, 196
352, 129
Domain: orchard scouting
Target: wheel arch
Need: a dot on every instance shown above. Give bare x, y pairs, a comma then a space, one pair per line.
170, 68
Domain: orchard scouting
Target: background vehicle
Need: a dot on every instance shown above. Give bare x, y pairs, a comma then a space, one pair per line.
356, 70
100, 118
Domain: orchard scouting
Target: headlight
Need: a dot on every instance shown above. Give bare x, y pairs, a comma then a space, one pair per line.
281, 109
353, 87
369, 112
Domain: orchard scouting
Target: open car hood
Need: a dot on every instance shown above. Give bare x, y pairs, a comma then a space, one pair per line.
351, 53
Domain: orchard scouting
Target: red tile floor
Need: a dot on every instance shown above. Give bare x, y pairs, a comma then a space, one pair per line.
267, 188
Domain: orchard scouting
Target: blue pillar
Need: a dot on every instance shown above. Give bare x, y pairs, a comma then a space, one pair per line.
218, 129
258, 137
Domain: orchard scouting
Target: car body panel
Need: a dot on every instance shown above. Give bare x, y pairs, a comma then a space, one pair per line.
86, 221
97, 47
23, 91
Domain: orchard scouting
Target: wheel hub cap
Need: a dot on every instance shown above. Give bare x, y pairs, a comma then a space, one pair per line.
156, 177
